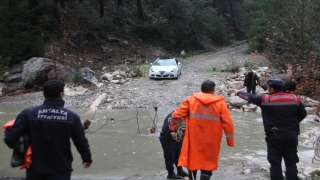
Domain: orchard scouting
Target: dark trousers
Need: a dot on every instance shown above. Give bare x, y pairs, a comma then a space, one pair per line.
56, 176
283, 145
171, 152
205, 175
251, 89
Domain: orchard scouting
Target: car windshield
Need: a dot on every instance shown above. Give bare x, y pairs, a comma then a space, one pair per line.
165, 62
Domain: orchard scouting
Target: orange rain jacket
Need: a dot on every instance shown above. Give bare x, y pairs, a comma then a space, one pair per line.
28, 161
206, 116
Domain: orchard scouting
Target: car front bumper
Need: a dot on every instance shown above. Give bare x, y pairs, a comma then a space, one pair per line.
162, 75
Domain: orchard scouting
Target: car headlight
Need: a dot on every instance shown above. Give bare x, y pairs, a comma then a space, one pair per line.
173, 70
151, 70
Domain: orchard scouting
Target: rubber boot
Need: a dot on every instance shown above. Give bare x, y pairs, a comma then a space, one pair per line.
205, 175
192, 175
181, 172
174, 176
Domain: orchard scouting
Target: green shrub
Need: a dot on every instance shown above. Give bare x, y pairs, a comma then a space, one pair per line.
248, 64
77, 77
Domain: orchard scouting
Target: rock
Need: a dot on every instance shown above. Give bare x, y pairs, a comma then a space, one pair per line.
2, 86
13, 78
115, 81
308, 102
247, 171
61, 72
74, 91
249, 107
35, 71
236, 101
91, 77
311, 110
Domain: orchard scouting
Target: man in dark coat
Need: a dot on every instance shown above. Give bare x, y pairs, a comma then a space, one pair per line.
171, 151
50, 127
251, 80
281, 114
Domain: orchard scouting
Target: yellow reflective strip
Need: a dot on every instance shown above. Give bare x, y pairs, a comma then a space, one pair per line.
175, 121
229, 135
205, 116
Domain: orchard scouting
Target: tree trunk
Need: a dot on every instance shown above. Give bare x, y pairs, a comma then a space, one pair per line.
57, 18
120, 3
32, 4
62, 3
140, 11
101, 8
239, 34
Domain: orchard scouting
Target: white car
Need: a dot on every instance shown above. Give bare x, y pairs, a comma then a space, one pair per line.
165, 68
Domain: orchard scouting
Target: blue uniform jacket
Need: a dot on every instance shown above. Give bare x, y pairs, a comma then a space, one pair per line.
50, 127
282, 110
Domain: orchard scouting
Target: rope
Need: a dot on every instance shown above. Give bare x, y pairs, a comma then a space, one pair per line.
181, 128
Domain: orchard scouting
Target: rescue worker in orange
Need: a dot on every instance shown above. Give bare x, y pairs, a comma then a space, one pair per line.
207, 116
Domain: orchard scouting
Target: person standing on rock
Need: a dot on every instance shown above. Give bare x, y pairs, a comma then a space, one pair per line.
251, 80
281, 113
171, 151
207, 116
50, 127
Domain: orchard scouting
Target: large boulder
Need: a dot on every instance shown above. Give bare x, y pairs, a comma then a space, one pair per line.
90, 76
61, 72
37, 70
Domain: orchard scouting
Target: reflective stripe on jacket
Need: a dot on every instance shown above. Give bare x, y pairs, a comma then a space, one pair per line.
206, 116
282, 110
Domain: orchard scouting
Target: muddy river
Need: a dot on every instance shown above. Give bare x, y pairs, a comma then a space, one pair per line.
122, 145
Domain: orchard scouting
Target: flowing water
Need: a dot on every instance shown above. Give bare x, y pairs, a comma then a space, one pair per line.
122, 145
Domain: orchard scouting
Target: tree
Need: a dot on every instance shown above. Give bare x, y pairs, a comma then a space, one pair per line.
231, 10
120, 3
32, 5
102, 8
17, 39
291, 40
140, 11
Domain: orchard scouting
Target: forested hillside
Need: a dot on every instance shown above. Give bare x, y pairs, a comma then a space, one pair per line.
111, 29
109, 32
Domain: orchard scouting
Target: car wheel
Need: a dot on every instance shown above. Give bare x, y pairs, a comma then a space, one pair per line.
180, 72
177, 76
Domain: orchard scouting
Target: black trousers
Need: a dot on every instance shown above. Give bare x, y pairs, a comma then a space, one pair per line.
283, 145
55, 176
251, 89
171, 152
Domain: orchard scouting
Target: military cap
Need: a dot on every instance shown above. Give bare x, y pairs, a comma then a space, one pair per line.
275, 82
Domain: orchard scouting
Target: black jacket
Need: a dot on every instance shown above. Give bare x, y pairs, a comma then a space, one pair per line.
281, 110
50, 127
165, 138
251, 80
